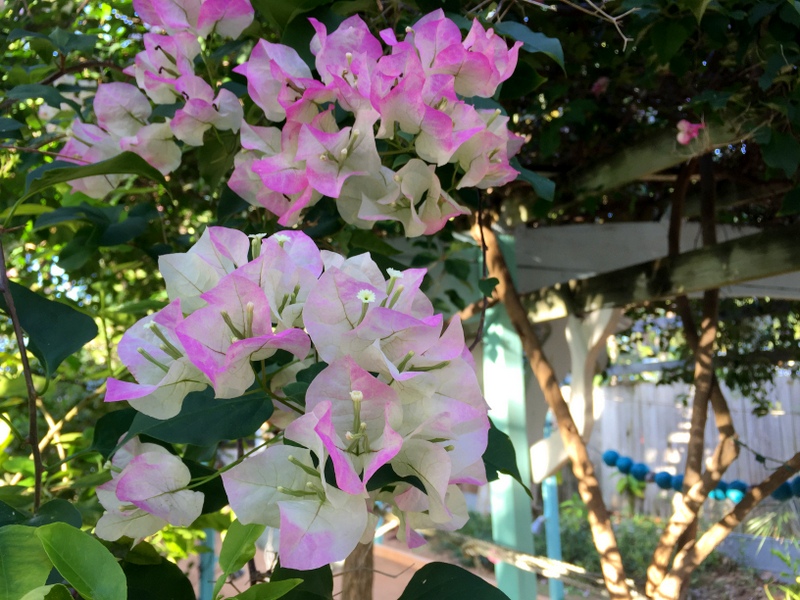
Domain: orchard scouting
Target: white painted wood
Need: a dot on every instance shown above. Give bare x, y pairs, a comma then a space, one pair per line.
650, 424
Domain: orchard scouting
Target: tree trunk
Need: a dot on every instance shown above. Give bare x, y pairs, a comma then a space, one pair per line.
358, 573
588, 485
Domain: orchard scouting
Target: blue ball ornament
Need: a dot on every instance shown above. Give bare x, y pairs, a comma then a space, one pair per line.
677, 483
739, 485
624, 464
783, 493
640, 471
796, 487
734, 495
663, 480
610, 457
719, 493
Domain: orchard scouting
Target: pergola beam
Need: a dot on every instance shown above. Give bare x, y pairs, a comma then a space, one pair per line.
765, 254
649, 156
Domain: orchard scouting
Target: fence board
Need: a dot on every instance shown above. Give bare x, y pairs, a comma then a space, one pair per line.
650, 424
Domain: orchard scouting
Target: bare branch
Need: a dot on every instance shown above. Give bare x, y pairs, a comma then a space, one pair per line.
33, 427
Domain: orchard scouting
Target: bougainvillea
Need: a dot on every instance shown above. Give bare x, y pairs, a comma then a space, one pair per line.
372, 132
394, 391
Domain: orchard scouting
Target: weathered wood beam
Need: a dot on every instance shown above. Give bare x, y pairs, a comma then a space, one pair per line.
649, 156
765, 254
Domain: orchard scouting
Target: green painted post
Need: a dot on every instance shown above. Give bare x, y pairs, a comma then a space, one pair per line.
504, 388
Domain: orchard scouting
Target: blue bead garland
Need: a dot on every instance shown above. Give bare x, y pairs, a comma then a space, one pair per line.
733, 490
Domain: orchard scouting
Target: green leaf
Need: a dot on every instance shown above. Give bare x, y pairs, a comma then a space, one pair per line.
281, 12
500, 457
204, 420
57, 510
127, 163
161, 581
668, 38
523, 81
308, 374
782, 152
34, 91
317, 584
486, 286
214, 496
791, 203
8, 124
238, 547
458, 268
11, 516
544, 187
55, 330
215, 156
49, 592
84, 562
369, 241
532, 41
269, 591
442, 581
109, 429
23, 562
698, 7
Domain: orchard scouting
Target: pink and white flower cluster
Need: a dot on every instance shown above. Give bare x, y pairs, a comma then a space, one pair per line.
399, 392
370, 132
408, 103
165, 72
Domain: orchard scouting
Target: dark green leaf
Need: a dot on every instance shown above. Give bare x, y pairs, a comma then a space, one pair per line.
109, 429
532, 41
523, 81
269, 591
782, 152
443, 581
34, 91
500, 457
215, 156
282, 12
55, 330
486, 286
8, 124
308, 374
83, 561
214, 496
100, 216
369, 241
126, 163
458, 268
56, 511
317, 584
668, 38
204, 420
22, 555
121, 233
791, 203
544, 187
296, 392
11, 516
162, 581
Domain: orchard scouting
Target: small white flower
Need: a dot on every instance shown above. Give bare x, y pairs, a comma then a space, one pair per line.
366, 296
394, 273
356, 396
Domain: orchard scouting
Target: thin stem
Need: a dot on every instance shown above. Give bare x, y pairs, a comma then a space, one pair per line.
33, 431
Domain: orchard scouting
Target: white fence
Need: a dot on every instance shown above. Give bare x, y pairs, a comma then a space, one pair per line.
650, 424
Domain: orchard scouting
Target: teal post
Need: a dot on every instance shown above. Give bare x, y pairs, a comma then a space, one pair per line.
504, 388
552, 521
208, 561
